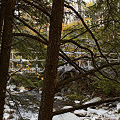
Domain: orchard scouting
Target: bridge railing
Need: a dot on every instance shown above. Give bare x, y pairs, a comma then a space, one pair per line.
83, 63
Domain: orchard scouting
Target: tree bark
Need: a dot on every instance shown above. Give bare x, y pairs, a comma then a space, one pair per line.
46, 108
5, 49
1, 17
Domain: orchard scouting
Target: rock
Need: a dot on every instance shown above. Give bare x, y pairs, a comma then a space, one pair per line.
11, 87
118, 107
96, 112
80, 113
6, 116
11, 103
96, 99
58, 98
22, 89
77, 102
67, 107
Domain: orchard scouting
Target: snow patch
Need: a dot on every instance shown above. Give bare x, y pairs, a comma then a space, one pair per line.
96, 99
58, 97
118, 106
67, 107
95, 111
77, 102
80, 112
22, 89
11, 87
66, 116
6, 115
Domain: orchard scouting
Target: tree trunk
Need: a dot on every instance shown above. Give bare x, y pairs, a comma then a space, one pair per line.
5, 49
1, 16
46, 108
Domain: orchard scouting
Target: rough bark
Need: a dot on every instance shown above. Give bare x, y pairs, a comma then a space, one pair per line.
46, 108
5, 50
1, 16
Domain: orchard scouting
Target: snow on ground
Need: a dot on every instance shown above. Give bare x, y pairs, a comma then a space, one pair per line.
66, 116
98, 113
89, 114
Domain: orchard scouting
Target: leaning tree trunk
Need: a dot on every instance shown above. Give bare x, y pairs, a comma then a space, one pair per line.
46, 108
5, 49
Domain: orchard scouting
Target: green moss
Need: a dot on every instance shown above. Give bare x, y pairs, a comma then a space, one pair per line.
75, 97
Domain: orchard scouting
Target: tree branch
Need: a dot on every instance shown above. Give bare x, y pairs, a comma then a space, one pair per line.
79, 16
30, 36
30, 28
63, 55
82, 47
79, 58
63, 82
92, 35
39, 8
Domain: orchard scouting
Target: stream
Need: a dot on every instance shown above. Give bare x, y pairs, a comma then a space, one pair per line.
26, 104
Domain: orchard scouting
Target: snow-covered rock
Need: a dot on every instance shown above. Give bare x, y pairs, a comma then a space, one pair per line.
77, 102
66, 116
80, 112
97, 112
6, 116
22, 89
118, 106
11, 87
11, 103
58, 97
96, 99
67, 107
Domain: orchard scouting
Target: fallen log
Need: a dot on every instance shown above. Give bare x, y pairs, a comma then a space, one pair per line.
86, 105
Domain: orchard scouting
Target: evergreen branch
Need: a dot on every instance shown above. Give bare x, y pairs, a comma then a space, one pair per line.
63, 82
39, 8
70, 33
31, 28
30, 36
75, 43
85, 25
63, 55
79, 58
92, 35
